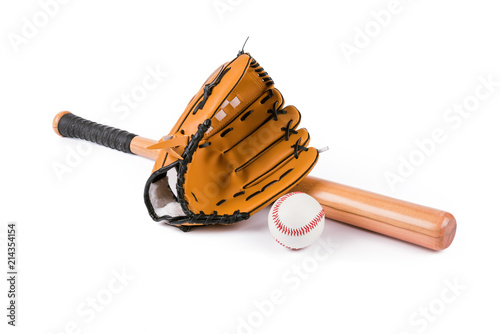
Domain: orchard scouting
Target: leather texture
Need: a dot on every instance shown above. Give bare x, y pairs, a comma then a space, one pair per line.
248, 149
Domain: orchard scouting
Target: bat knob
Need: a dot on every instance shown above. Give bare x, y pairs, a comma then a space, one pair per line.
55, 122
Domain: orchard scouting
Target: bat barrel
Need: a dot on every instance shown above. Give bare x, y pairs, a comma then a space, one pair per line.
417, 224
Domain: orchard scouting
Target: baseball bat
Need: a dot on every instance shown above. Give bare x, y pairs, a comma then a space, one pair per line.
417, 224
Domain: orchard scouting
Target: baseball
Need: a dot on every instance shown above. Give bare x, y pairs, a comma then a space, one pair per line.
296, 220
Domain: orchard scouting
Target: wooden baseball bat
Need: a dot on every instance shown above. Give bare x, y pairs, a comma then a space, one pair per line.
417, 224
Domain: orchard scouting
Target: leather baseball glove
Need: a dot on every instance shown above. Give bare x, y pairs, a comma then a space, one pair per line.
234, 150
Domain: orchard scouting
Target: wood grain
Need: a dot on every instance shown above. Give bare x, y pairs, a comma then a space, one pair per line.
139, 146
420, 225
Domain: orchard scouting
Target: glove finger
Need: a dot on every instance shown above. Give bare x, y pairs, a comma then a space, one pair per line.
268, 134
272, 184
257, 168
238, 90
217, 180
234, 82
245, 123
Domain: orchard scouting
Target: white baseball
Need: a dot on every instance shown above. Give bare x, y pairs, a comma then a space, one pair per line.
296, 220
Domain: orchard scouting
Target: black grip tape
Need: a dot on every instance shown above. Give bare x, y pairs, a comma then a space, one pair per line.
73, 126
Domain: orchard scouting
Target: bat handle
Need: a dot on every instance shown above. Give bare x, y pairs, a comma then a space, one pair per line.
68, 125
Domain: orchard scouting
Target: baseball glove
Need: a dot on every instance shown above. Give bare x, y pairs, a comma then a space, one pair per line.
234, 150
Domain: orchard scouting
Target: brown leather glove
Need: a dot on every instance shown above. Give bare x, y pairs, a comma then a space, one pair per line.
234, 150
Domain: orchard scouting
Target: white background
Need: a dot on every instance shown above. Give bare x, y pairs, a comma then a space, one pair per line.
77, 230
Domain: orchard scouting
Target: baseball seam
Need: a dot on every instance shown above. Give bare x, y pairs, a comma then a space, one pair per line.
282, 244
294, 231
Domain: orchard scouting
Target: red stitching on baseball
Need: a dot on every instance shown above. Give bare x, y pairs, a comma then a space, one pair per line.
282, 244
281, 200
294, 231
